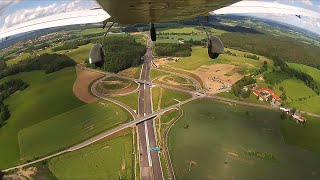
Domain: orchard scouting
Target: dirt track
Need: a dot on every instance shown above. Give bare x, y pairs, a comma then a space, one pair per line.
81, 86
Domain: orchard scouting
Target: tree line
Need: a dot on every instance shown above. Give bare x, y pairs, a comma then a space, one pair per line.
121, 53
47, 62
71, 45
8, 88
173, 49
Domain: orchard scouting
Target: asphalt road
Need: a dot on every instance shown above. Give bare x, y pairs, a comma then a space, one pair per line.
149, 160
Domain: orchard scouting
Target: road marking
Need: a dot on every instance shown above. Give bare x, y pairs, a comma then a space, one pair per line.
148, 144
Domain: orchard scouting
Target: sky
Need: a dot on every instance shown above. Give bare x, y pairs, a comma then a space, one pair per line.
13, 12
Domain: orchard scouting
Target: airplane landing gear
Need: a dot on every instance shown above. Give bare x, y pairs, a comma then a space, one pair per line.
153, 33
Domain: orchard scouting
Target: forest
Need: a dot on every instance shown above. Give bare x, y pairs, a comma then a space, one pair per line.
71, 45
122, 53
8, 88
47, 62
272, 47
173, 49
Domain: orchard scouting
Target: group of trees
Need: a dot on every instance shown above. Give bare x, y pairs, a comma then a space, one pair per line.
202, 42
237, 88
255, 57
47, 62
264, 68
282, 71
71, 45
173, 49
6, 89
122, 53
3, 64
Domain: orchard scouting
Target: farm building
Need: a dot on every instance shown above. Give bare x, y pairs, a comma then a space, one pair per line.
299, 119
264, 94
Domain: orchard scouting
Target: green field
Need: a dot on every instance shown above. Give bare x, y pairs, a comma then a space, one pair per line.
310, 105
313, 72
114, 83
108, 159
130, 100
252, 98
199, 57
80, 54
154, 73
47, 96
224, 142
167, 97
74, 126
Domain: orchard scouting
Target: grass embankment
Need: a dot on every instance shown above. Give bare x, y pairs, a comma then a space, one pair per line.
224, 141
130, 100
167, 97
133, 72
176, 81
116, 86
154, 74
74, 126
47, 96
107, 159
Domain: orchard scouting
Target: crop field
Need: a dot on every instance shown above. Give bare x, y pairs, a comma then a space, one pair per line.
107, 159
80, 54
47, 96
166, 97
313, 72
225, 141
199, 57
74, 126
295, 90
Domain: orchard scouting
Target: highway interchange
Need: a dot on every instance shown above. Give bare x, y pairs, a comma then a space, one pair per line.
150, 167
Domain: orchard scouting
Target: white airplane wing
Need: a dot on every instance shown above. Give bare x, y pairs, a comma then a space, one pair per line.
69, 18
258, 7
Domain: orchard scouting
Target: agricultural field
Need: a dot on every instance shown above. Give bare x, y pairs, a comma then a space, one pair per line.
47, 96
313, 72
310, 105
214, 140
162, 98
107, 159
83, 123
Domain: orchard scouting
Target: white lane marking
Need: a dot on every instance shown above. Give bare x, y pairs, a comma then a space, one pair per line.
148, 144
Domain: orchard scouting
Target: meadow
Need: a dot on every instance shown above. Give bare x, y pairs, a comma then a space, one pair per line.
47, 96
224, 141
200, 57
74, 126
313, 72
131, 100
107, 159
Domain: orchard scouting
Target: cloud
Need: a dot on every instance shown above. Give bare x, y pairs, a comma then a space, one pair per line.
5, 4
307, 2
24, 15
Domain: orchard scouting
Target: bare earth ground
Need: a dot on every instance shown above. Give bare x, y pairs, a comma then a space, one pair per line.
216, 75
80, 87
213, 76
22, 174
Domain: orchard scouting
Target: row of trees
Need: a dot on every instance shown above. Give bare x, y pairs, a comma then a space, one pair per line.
71, 45
8, 88
47, 62
255, 57
173, 49
237, 88
122, 53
